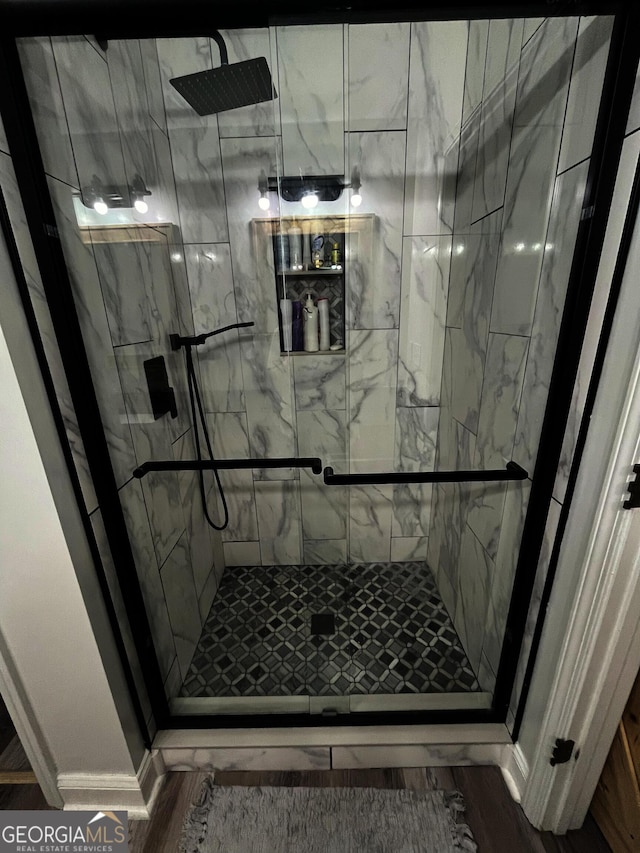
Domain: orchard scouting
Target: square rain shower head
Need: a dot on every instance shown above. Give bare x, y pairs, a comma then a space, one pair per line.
227, 87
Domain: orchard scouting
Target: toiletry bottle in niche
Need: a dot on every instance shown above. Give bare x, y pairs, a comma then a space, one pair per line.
317, 250
323, 315
297, 328
310, 325
286, 314
282, 252
336, 257
295, 248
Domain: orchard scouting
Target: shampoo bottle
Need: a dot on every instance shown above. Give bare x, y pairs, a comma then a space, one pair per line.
323, 315
310, 325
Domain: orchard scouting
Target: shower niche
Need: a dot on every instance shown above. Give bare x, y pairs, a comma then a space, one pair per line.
321, 256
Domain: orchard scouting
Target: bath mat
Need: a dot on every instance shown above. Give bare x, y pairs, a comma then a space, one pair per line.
235, 819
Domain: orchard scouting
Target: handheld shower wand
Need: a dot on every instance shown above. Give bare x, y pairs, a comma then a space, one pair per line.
195, 399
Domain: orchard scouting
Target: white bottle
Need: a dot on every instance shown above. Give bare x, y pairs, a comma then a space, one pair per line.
286, 314
295, 248
310, 326
323, 313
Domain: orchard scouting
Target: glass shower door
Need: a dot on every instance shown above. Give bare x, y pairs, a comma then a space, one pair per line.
400, 234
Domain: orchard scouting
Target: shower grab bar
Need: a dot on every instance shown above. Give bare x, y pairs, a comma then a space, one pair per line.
512, 471
312, 462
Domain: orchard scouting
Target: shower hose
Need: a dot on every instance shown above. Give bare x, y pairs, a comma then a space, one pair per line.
195, 398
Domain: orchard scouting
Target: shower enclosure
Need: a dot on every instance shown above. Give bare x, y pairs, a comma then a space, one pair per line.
427, 182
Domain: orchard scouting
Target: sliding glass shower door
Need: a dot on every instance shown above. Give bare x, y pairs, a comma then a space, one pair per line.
388, 246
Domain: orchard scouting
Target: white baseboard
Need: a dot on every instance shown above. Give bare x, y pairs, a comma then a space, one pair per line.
515, 770
115, 791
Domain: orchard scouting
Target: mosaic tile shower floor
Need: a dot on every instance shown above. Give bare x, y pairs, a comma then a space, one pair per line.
328, 630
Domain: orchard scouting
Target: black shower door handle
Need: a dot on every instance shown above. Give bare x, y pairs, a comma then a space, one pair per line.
312, 462
512, 471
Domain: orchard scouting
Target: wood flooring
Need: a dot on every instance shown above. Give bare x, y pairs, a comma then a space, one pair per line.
497, 823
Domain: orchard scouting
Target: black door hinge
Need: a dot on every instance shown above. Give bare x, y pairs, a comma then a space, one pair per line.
562, 751
633, 488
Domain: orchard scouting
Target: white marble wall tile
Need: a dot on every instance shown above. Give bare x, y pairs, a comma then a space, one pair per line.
633, 122
545, 70
152, 440
320, 382
466, 172
311, 103
541, 100
301, 758
624, 183
135, 516
199, 538
486, 676
214, 306
436, 85
126, 70
587, 76
372, 397
164, 201
532, 165
496, 118
378, 76
153, 82
258, 119
425, 279
268, 395
370, 514
124, 278
531, 25
278, 510
563, 228
90, 112
45, 98
95, 328
242, 553
324, 508
231, 441
415, 448
251, 250
515, 510
408, 549
325, 552
534, 608
195, 145
475, 65
182, 603
21, 234
501, 391
373, 273
117, 599
474, 591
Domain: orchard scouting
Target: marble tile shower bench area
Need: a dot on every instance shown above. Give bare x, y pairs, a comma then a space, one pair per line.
328, 630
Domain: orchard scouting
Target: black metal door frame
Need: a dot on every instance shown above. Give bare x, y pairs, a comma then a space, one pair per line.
157, 18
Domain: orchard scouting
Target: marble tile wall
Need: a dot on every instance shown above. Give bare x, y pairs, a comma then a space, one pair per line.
377, 408
524, 149
131, 292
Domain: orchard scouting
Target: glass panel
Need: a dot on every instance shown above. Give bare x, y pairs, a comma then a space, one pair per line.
399, 229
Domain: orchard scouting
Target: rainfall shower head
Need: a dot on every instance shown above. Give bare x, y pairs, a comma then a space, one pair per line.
230, 86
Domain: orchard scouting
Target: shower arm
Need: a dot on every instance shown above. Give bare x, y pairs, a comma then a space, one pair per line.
178, 341
224, 56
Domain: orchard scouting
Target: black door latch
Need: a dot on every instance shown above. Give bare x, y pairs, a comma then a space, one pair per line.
633, 487
562, 751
